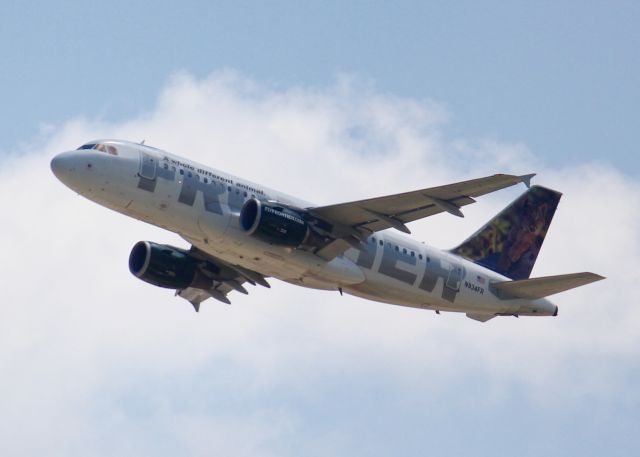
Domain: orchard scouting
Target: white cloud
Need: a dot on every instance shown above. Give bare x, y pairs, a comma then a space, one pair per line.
94, 360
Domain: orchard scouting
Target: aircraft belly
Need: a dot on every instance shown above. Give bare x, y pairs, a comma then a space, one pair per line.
213, 226
250, 255
293, 265
382, 288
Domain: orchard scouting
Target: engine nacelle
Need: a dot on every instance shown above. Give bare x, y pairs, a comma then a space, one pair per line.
273, 223
166, 266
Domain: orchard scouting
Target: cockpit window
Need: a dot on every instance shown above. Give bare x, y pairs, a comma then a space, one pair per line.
108, 148
87, 146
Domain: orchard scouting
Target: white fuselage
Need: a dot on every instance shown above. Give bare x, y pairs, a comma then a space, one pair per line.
203, 205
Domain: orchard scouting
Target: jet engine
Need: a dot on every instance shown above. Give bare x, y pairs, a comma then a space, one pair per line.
274, 223
169, 267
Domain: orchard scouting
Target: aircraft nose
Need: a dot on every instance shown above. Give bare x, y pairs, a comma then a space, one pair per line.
64, 164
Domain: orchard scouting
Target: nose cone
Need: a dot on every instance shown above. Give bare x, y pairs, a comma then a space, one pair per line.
64, 165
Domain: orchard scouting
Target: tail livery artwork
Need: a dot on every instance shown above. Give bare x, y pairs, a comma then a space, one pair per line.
242, 233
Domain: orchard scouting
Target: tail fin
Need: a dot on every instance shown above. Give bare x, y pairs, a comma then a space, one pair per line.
509, 243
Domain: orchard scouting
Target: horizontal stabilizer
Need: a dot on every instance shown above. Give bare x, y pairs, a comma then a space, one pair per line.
542, 287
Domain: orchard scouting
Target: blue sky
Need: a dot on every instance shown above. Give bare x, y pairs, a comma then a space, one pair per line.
408, 94
560, 77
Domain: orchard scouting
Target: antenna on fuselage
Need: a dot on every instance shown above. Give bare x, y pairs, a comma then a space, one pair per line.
142, 142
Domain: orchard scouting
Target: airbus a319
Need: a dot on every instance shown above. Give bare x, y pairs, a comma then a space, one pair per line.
242, 233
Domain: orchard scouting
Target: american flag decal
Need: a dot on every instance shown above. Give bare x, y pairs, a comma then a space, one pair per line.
480, 280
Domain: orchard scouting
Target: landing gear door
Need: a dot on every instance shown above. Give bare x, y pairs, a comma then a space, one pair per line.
148, 165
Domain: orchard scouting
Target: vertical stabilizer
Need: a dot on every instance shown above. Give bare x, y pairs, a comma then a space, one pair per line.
509, 243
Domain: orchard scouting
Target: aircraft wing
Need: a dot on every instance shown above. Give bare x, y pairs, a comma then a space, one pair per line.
226, 278
351, 222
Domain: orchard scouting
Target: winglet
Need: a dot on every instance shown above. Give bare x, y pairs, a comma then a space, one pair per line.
526, 179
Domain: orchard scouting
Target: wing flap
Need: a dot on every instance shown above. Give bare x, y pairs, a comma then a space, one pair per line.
193, 296
542, 287
219, 292
226, 278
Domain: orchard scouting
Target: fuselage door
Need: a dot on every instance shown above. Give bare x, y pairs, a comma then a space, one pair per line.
148, 165
455, 278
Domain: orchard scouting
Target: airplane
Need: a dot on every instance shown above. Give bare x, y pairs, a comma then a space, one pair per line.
242, 233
